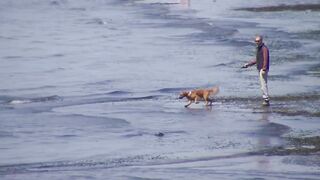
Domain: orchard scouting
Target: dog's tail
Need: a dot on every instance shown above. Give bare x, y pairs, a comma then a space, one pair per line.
214, 90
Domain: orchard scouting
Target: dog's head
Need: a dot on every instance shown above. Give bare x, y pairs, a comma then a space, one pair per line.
183, 94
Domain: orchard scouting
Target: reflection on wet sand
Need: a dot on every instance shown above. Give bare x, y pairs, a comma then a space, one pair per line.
269, 137
264, 141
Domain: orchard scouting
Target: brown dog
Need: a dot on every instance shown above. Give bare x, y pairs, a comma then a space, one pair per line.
199, 94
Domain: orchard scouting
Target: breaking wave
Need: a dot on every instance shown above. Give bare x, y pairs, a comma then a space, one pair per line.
33, 100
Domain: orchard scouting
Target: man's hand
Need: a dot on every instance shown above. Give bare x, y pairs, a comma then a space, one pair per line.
245, 66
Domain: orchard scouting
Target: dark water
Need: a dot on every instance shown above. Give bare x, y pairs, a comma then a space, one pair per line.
88, 90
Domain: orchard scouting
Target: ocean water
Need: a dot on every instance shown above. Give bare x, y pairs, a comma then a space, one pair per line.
89, 90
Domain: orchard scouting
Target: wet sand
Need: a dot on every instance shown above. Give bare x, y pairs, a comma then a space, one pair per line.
297, 7
89, 91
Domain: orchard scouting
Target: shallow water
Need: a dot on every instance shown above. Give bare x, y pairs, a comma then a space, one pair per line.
89, 90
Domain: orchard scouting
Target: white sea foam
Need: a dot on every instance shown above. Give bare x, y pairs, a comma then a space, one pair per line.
20, 101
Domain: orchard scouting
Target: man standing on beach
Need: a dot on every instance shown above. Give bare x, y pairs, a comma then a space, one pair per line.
262, 62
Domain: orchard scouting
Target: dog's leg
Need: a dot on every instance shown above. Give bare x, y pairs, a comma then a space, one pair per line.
210, 100
207, 100
196, 99
190, 102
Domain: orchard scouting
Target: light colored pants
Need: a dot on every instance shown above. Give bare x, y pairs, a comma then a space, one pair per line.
263, 77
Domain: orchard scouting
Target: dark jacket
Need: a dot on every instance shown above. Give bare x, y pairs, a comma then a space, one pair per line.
262, 57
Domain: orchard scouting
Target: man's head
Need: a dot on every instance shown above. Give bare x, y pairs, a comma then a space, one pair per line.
258, 40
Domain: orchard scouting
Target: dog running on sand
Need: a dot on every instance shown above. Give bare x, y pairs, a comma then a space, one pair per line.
195, 96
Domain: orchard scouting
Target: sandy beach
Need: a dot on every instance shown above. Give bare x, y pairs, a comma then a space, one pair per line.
89, 90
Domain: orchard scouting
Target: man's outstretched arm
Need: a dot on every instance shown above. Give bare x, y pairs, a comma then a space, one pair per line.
251, 63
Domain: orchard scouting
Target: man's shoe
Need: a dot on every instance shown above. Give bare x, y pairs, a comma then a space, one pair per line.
266, 102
